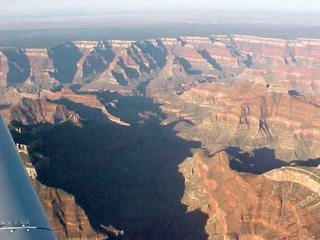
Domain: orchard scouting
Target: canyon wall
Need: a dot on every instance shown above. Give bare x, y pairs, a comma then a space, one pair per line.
170, 138
280, 204
121, 65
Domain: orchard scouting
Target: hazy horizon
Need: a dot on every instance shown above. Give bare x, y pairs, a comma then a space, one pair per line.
91, 20
20, 8
63, 14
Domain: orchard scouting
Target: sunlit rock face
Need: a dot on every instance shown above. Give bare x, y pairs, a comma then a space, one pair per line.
68, 220
275, 205
121, 65
3, 70
249, 116
173, 138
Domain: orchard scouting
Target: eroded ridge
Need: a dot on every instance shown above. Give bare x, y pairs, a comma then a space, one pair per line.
298, 175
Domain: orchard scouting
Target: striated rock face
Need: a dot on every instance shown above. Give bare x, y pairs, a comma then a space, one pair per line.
122, 65
68, 220
297, 175
249, 116
3, 70
280, 204
41, 67
171, 138
42, 111
56, 107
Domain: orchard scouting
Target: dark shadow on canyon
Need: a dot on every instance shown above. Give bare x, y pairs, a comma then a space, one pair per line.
260, 161
65, 57
126, 177
19, 67
84, 112
132, 109
307, 163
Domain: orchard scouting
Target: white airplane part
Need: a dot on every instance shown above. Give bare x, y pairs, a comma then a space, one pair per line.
22, 216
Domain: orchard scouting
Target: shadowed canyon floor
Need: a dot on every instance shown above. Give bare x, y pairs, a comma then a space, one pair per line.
173, 138
260, 161
126, 177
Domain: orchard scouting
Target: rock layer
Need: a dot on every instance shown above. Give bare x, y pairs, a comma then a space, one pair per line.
249, 116
68, 220
280, 204
109, 121
105, 65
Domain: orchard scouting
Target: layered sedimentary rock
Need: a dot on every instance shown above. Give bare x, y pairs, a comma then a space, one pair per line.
3, 70
125, 116
33, 111
56, 107
122, 65
68, 220
41, 67
250, 116
280, 204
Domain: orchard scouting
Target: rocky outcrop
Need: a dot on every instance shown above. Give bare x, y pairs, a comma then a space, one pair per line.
249, 116
296, 175
121, 65
41, 67
245, 206
56, 107
3, 70
33, 111
22, 148
67, 218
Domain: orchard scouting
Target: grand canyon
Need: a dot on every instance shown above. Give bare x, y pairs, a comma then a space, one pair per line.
187, 138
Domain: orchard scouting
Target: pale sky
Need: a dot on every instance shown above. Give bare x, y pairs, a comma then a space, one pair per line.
30, 7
